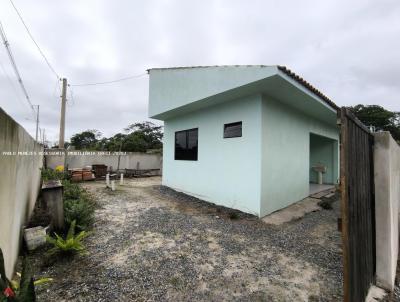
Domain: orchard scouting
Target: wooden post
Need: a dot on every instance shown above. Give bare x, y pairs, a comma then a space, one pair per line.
344, 203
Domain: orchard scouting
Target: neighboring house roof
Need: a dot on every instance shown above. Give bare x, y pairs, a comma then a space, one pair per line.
282, 68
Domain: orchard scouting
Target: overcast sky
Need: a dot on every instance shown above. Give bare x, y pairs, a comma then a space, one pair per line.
350, 50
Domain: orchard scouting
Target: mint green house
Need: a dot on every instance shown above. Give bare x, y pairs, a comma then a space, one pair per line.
250, 138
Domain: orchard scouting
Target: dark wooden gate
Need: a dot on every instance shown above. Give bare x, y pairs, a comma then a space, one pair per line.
358, 207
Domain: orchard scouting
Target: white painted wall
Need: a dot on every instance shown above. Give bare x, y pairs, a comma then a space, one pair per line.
387, 197
131, 160
19, 185
228, 171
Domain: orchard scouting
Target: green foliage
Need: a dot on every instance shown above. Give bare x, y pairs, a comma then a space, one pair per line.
72, 244
80, 210
379, 117
50, 174
140, 137
78, 206
26, 290
71, 190
85, 140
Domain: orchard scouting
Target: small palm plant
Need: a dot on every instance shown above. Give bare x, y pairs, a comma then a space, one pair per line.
71, 245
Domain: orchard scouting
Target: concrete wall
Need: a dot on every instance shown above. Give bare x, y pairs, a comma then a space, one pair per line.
387, 196
286, 153
80, 159
227, 171
19, 185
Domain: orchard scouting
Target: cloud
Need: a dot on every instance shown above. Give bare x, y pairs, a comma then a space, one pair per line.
348, 50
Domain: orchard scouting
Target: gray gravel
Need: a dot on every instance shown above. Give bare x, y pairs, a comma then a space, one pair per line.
150, 243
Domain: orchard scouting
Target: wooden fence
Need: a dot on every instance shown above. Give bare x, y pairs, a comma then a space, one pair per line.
358, 207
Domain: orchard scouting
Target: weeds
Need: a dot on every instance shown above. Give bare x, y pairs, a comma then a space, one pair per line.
50, 174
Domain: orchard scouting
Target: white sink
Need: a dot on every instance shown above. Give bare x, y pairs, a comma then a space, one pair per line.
320, 169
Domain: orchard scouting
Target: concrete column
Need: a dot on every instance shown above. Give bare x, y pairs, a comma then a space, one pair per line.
387, 182
52, 193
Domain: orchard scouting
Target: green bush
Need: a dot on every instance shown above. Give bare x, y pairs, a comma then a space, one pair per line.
72, 244
78, 206
71, 190
80, 210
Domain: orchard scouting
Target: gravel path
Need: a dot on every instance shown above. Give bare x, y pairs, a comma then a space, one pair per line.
150, 243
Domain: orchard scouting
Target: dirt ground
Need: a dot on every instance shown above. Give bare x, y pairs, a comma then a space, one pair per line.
150, 243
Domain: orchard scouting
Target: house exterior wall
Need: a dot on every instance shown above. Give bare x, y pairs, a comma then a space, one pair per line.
176, 87
227, 171
286, 154
19, 185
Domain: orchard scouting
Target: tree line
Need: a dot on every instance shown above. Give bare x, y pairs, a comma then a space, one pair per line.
138, 137
380, 118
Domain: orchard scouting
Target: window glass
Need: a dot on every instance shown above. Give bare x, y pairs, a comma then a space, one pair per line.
186, 144
233, 130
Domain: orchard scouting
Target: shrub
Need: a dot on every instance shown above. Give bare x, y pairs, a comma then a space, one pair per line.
72, 244
80, 210
71, 190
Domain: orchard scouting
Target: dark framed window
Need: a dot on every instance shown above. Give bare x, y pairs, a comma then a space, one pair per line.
233, 130
186, 144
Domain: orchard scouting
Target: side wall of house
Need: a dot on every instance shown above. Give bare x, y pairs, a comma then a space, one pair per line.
286, 153
227, 171
19, 185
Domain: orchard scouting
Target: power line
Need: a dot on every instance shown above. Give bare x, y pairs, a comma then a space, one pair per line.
12, 85
33, 39
14, 65
110, 82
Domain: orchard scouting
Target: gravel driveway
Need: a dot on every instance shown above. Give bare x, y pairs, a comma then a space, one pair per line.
150, 243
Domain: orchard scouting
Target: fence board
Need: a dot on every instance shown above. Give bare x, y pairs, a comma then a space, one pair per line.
358, 207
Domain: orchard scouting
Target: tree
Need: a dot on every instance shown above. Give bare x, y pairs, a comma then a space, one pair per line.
85, 140
379, 117
142, 137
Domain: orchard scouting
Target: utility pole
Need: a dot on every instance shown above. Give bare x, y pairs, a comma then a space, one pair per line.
37, 122
62, 120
